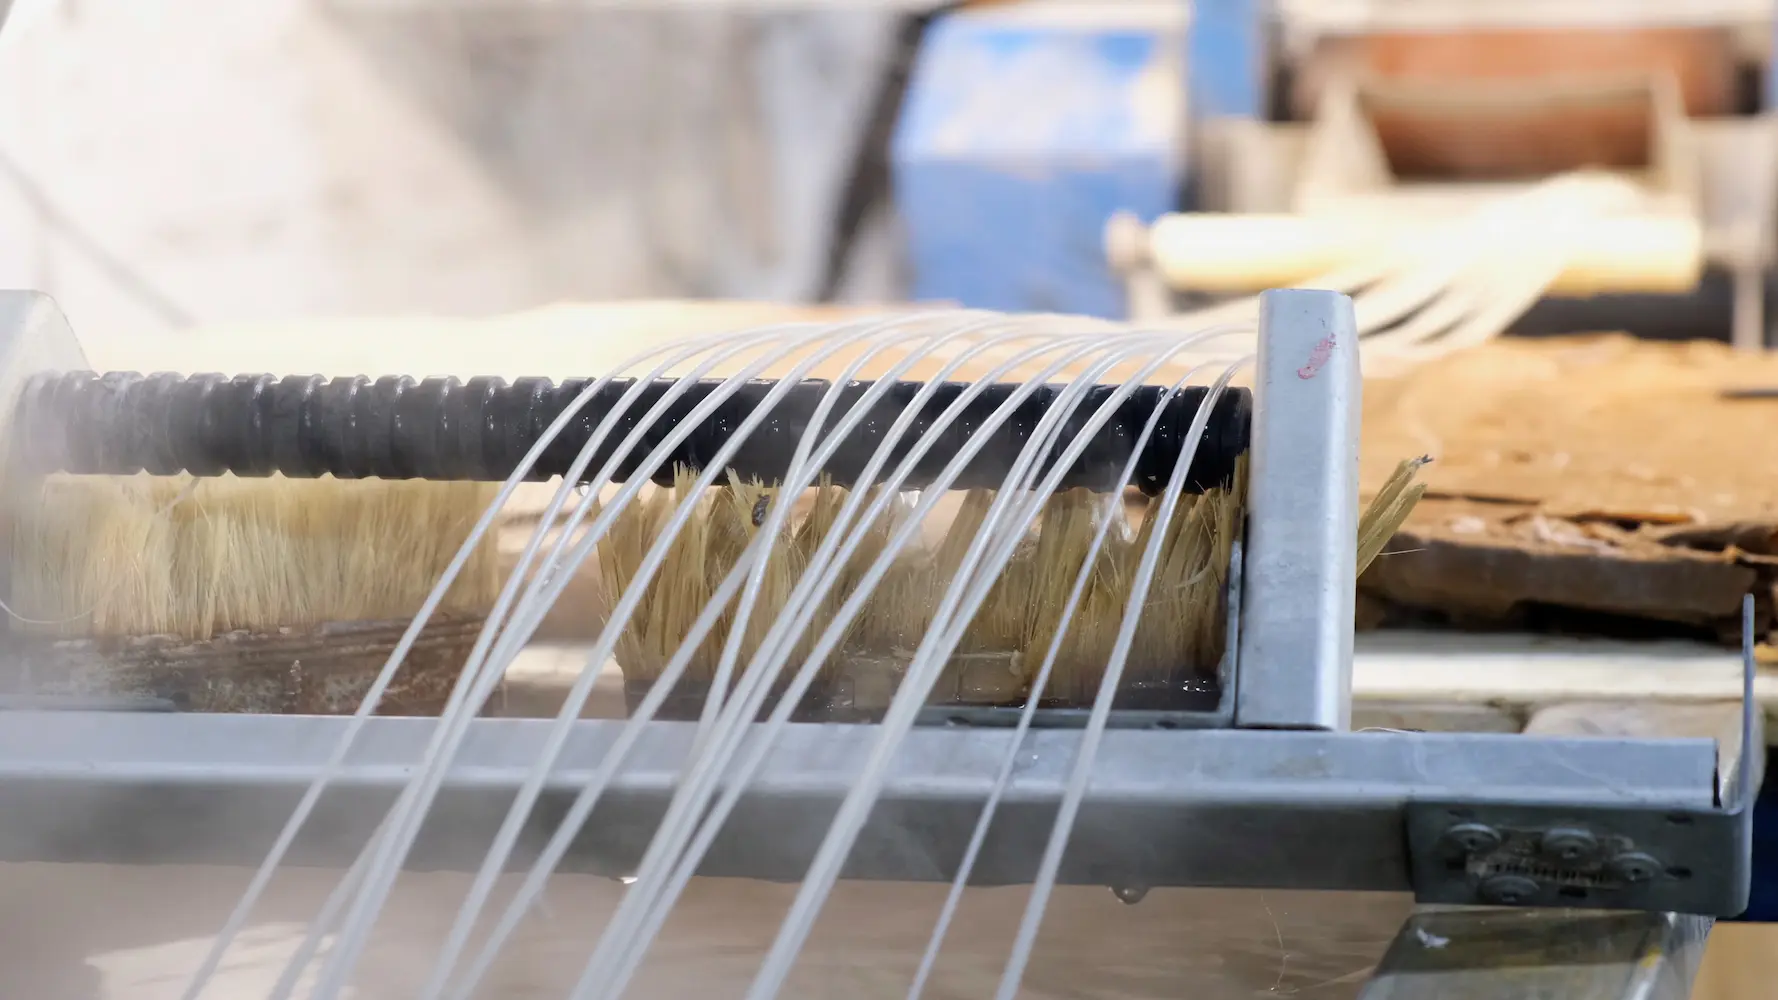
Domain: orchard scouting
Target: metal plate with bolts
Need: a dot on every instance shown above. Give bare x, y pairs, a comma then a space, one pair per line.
1504, 853
1579, 858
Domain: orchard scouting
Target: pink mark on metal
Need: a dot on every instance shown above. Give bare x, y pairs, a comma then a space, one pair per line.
1318, 356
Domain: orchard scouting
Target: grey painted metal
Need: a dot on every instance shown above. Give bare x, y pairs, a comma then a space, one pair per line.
1228, 807
1512, 954
1609, 857
1296, 631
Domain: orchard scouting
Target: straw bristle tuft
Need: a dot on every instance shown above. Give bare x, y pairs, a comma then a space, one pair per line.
142, 555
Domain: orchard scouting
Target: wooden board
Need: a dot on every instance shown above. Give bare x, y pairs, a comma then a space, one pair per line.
1598, 475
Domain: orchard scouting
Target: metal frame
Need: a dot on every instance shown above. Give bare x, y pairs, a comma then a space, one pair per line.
1339, 809
168, 787
1664, 826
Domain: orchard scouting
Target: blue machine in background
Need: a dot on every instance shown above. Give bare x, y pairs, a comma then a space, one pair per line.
1025, 127
1021, 132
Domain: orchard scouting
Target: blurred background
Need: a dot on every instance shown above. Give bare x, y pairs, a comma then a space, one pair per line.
182, 173
195, 163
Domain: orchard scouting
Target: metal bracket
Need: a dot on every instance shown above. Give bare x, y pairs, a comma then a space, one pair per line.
1597, 858
1696, 861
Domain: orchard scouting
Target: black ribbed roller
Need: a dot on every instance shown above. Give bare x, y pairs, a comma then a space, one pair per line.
396, 427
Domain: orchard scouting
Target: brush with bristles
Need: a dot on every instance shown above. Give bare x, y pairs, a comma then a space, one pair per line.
762, 538
190, 560
164, 521
227, 593
727, 520
1178, 642
124, 556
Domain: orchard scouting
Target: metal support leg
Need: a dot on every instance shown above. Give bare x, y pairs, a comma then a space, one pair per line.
1501, 954
1300, 562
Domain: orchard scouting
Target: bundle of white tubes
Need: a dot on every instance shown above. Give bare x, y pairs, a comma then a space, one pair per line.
1033, 351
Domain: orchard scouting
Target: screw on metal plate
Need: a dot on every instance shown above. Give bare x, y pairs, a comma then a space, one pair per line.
1568, 845
1634, 867
1508, 890
1473, 838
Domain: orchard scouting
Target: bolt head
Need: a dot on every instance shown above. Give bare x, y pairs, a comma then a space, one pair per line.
1568, 845
1473, 838
1634, 867
1129, 895
1508, 890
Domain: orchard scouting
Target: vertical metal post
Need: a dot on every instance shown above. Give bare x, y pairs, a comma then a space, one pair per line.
1300, 561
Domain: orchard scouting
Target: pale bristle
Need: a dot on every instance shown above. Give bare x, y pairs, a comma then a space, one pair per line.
739, 512
1389, 509
1181, 633
675, 594
724, 522
895, 616
142, 555
1064, 537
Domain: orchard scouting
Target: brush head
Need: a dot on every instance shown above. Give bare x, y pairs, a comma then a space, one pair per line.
145, 555
264, 595
1174, 664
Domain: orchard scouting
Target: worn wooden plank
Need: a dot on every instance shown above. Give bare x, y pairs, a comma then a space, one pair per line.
1599, 475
